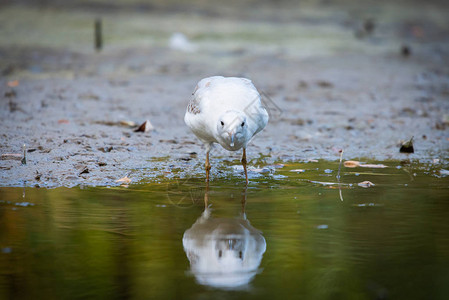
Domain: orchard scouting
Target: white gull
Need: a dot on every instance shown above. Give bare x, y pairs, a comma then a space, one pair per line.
227, 111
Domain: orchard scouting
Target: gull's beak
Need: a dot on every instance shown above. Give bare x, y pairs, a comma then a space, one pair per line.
232, 139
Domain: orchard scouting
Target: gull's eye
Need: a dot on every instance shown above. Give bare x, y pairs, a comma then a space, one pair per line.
222, 123
243, 124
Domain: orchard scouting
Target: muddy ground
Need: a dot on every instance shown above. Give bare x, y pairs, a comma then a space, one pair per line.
334, 74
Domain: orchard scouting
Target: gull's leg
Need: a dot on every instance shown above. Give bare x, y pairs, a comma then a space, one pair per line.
206, 196
207, 165
244, 165
244, 202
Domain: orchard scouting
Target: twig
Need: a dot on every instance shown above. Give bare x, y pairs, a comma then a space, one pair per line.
339, 166
338, 175
24, 159
98, 35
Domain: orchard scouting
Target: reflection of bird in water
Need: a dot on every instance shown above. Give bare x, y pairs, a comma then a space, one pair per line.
223, 252
228, 111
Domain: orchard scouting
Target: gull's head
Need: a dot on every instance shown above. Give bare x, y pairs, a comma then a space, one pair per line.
231, 128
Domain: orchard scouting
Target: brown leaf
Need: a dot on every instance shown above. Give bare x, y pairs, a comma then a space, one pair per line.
127, 123
145, 127
13, 156
124, 180
106, 149
13, 83
10, 94
366, 184
324, 84
169, 141
407, 147
351, 164
84, 171
63, 121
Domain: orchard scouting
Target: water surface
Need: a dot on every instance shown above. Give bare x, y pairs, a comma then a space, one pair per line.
288, 235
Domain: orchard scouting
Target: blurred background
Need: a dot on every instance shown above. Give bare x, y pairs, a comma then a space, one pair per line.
52, 33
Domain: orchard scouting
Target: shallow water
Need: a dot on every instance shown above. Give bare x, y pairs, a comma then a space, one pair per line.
289, 235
